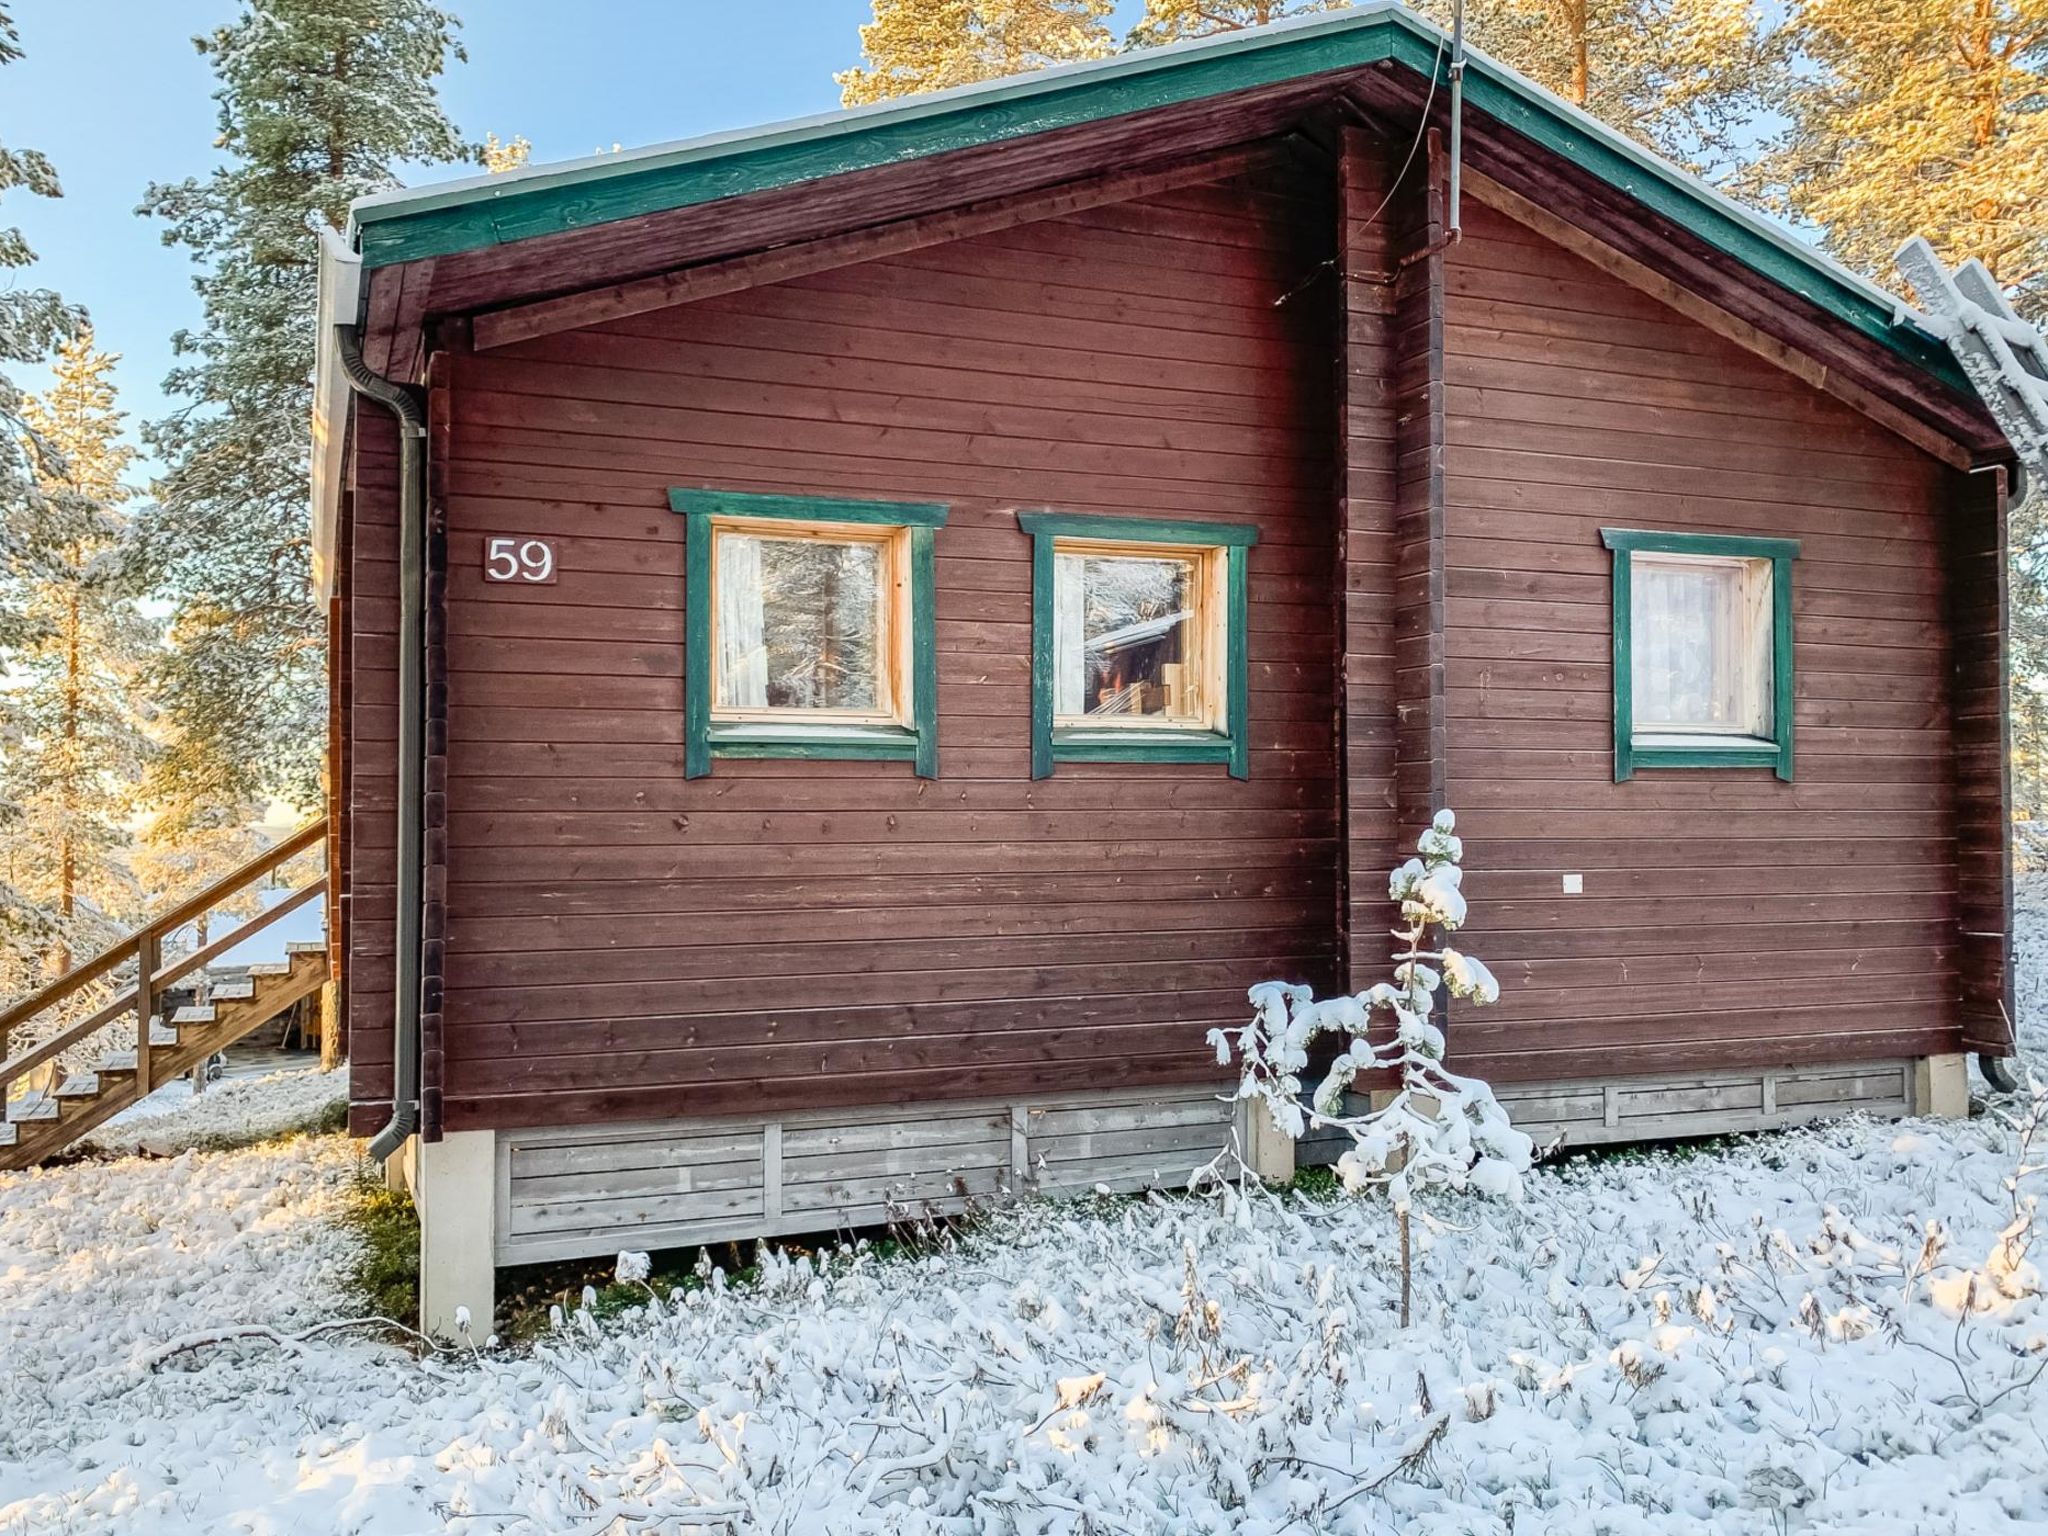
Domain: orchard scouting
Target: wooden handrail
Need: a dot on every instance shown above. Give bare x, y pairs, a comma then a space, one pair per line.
166, 923
130, 1000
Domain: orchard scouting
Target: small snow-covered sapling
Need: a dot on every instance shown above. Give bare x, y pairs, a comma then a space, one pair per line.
1434, 1129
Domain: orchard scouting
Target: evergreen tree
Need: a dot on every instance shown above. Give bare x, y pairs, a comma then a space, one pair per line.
1920, 117
500, 156
32, 322
76, 705
1684, 77
928, 45
1172, 21
319, 101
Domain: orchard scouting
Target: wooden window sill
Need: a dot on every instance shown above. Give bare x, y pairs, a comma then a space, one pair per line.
1692, 752
1098, 744
820, 741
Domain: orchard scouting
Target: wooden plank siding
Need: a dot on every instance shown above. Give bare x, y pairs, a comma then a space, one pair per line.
622, 942
1979, 613
1416, 216
369, 759
1368, 706
1429, 450
1727, 919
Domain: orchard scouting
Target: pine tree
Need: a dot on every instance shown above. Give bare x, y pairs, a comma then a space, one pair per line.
928, 45
1683, 77
32, 322
500, 156
320, 101
1173, 21
1920, 117
76, 702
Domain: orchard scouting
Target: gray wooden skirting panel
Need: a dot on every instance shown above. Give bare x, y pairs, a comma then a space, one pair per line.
583, 1191
590, 1190
1589, 1113
1597, 1111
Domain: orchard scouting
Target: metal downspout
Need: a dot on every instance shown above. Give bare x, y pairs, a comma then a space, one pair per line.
404, 404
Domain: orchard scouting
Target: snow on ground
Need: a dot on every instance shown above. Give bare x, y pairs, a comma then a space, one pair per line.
1771, 1338
238, 1109
2030, 960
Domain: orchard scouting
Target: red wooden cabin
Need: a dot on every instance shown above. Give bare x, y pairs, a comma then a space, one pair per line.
915, 610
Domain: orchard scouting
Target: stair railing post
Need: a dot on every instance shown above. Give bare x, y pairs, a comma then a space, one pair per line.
145, 1001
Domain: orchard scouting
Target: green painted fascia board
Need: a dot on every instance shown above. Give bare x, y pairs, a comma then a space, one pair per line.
481, 212
1673, 195
1776, 754
705, 739
476, 213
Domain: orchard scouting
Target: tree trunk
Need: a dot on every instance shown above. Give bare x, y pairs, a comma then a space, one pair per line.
1407, 1271
67, 848
1582, 56
330, 1027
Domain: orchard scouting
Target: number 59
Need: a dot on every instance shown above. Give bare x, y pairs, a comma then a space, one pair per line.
515, 559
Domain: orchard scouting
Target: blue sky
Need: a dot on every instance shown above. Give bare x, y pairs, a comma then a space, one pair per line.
114, 93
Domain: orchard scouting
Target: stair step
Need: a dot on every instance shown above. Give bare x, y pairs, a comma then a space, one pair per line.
79, 1085
7, 1133
306, 947
116, 1061
233, 991
32, 1106
271, 968
185, 1016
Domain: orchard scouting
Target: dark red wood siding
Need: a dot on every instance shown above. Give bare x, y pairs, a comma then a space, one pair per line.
623, 942
1430, 453
1727, 917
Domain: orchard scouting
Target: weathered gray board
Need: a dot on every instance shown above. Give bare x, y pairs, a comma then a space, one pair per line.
591, 1190
1604, 1111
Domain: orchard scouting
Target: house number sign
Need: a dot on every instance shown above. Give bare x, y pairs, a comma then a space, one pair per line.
518, 559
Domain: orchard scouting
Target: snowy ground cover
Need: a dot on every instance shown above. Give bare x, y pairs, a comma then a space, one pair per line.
1815, 1332
236, 1110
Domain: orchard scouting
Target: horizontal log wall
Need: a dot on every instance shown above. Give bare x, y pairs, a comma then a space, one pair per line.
623, 943
1727, 918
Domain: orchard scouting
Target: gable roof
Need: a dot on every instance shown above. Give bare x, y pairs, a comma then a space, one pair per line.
484, 211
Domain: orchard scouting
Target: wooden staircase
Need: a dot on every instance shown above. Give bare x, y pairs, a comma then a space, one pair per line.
39, 1124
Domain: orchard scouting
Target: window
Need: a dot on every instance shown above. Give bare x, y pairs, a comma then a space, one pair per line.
808, 628
1702, 651
1138, 641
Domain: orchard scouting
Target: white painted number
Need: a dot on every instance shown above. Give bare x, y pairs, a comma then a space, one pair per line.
514, 559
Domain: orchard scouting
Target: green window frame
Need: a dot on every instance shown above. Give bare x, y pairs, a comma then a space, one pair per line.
1053, 743
1775, 752
915, 741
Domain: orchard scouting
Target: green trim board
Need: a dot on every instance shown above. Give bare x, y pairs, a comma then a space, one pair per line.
705, 739
692, 502
1052, 744
1775, 754
481, 212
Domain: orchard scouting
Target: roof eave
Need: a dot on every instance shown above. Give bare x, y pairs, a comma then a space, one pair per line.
482, 212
